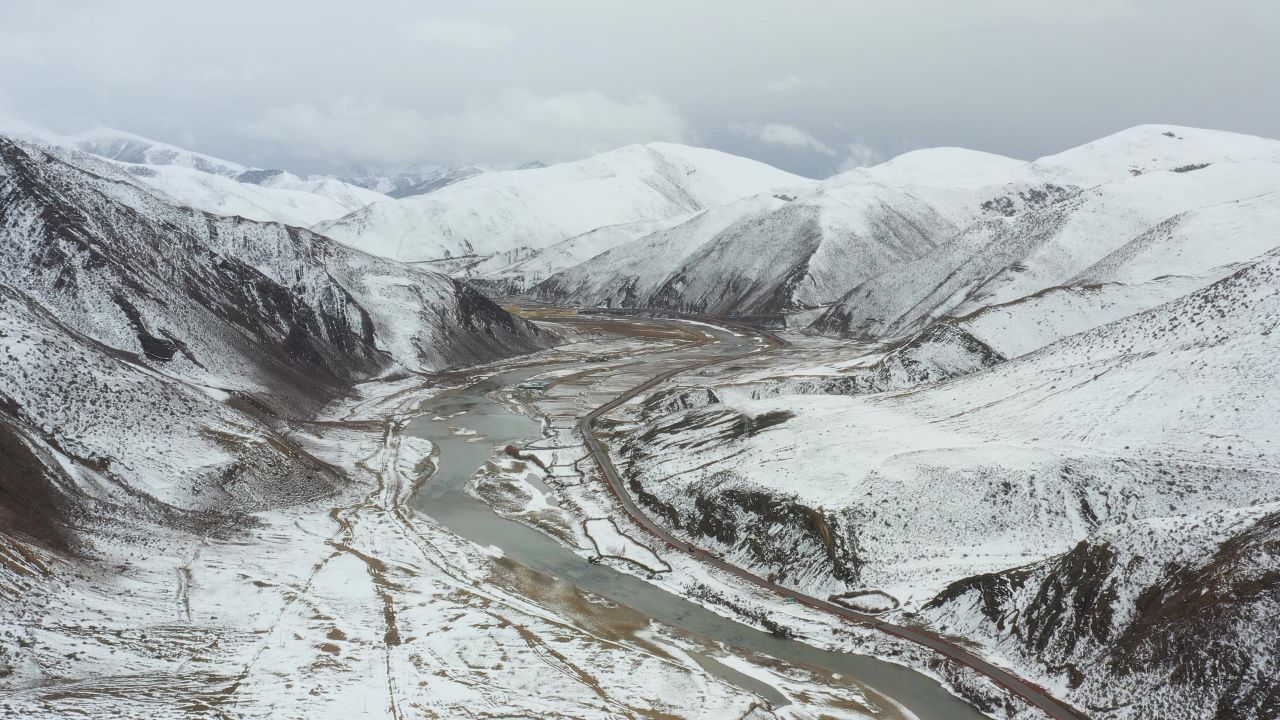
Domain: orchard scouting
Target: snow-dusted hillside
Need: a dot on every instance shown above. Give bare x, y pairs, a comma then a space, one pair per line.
1156, 176
288, 200
502, 276
98, 432
1158, 419
212, 184
209, 294
434, 180
144, 345
134, 149
1167, 617
500, 212
410, 180
801, 248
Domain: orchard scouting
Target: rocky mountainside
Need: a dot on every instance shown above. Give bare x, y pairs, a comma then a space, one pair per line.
1172, 586
147, 347
1179, 603
528, 210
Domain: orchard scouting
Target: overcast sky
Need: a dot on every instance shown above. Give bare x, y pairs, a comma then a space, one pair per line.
808, 85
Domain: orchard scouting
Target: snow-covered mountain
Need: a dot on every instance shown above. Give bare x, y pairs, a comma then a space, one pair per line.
134, 149
504, 212
1149, 148
131, 325
391, 182
209, 183
893, 246
415, 180
503, 275
1153, 175
436, 179
282, 197
1056, 438
802, 248
1096, 512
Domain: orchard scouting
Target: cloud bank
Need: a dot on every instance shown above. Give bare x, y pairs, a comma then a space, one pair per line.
514, 126
788, 136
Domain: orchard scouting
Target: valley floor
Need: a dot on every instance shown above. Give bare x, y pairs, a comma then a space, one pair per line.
360, 606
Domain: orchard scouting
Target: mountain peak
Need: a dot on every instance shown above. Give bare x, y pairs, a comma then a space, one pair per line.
128, 147
1150, 148
940, 167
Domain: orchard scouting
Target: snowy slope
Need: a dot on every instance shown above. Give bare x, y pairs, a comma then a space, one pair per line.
516, 277
941, 167
1159, 418
800, 248
134, 149
303, 204
500, 212
148, 351
435, 180
1003, 260
212, 184
1150, 148
120, 434
226, 298
1183, 605
1183, 254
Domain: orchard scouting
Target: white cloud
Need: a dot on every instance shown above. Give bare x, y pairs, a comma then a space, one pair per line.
790, 83
859, 154
460, 34
516, 125
782, 134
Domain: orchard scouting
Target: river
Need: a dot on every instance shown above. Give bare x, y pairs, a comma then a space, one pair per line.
444, 498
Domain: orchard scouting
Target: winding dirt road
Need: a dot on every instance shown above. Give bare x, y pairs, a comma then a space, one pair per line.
1032, 694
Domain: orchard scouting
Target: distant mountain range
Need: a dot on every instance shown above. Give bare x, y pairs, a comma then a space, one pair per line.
519, 212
